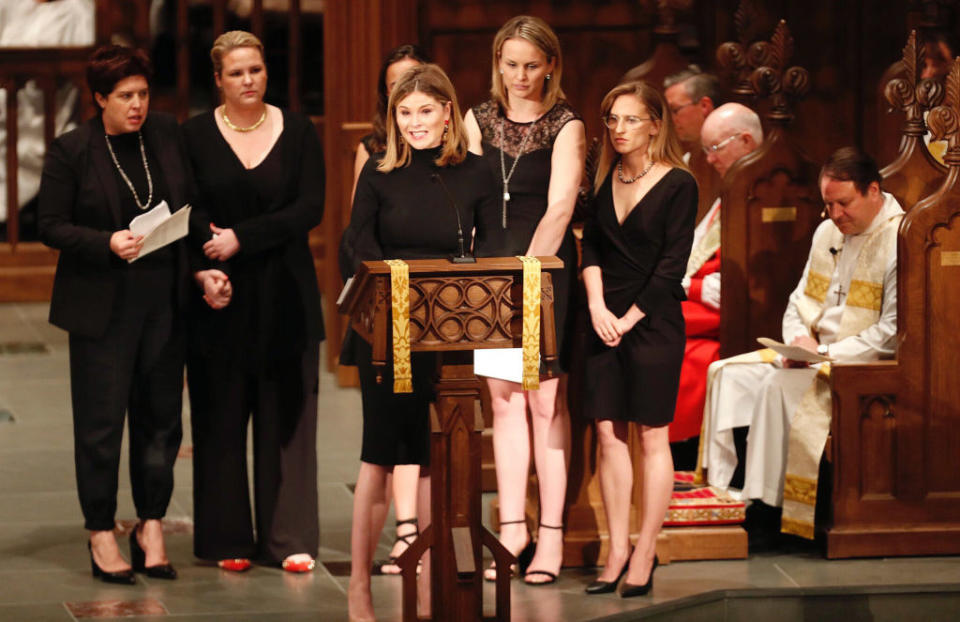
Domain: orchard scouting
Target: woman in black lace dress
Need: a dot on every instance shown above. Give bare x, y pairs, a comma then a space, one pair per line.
403, 481
534, 142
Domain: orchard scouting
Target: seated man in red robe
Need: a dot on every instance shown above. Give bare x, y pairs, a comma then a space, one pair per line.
728, 133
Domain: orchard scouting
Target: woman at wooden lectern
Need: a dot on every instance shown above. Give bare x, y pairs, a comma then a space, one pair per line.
533, 141
410, 202
635, 250
402, 482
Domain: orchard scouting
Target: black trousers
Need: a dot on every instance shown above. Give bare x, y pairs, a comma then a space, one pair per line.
135, 368
282, 399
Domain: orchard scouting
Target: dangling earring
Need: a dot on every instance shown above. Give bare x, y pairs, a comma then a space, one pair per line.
548, 76
446, 130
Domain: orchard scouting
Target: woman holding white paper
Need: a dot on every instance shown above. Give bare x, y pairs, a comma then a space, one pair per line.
124, 319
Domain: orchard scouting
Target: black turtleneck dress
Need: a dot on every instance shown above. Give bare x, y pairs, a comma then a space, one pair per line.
405, 214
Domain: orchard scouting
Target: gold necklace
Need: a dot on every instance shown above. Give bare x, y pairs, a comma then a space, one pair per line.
237, 128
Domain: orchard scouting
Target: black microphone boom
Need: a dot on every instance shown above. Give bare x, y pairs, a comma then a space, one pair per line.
462, 257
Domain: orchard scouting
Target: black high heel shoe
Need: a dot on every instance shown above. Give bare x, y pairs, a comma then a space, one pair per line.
605, 587
551, 576
123, 577
524, 557
138, 559
630, 590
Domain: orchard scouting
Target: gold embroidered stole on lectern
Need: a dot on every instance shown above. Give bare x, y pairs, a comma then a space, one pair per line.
530, 338
400, 310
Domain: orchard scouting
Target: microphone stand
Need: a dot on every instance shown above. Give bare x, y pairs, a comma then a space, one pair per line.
462, 256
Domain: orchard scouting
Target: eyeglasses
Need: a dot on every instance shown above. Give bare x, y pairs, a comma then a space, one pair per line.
676, 110
631, 122
720, 145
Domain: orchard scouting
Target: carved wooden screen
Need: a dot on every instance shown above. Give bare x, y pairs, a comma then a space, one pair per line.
914, 174
770, 208
896, 424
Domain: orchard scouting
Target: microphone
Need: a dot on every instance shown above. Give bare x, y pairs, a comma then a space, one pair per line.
462, 257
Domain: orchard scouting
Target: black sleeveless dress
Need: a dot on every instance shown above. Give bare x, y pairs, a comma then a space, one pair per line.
528, 187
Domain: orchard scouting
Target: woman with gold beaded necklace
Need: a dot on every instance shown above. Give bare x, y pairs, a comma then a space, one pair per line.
254, 335
534, 143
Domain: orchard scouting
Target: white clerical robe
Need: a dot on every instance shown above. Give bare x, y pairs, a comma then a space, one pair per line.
25, 23
765, 396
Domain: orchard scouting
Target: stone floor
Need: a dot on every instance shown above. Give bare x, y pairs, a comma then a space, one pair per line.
45, 573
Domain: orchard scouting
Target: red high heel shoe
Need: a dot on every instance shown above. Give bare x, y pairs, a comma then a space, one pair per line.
238, 564
297, 566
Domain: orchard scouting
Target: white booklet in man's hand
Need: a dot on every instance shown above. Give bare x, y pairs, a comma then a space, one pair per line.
159, 228
794, 353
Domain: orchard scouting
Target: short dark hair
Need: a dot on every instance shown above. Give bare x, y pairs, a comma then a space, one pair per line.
697, 84
851, 164
110, 64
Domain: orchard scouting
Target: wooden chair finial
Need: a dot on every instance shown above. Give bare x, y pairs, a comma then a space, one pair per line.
944, 120
911, 93
775, 80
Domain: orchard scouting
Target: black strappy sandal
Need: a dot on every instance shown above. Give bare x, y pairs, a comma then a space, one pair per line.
551, 577
407, 539
523, 557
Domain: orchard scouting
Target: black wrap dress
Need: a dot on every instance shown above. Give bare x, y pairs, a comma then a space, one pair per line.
642, 261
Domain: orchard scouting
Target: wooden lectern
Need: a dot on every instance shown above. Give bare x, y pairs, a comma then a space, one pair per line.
454, 308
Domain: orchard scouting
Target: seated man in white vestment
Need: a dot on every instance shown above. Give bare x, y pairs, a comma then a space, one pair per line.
844, 307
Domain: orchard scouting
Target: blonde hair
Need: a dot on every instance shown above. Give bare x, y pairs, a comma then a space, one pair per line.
229, 41
536, 31
430, 80
664, 146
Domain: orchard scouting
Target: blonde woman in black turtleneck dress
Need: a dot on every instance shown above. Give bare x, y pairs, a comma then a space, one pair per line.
401, 211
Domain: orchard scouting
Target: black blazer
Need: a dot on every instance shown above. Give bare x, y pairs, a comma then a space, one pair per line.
79, 209
274, 259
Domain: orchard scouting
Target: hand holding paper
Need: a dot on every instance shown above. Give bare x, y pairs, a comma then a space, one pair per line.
159, 228
793, 353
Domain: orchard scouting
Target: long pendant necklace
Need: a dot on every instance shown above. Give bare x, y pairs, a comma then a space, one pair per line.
237, 128
632, 179
146, 168
504, 175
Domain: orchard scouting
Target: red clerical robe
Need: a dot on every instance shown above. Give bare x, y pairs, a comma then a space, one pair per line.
703, 348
